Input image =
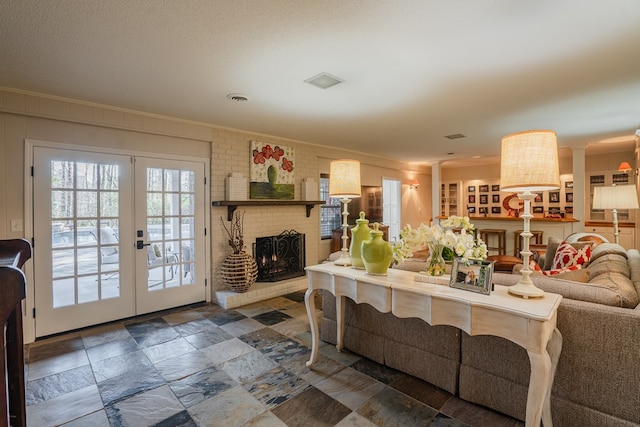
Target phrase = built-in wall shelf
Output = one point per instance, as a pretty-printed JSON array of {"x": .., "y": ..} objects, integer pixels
[{"x": 232, "y": 205}]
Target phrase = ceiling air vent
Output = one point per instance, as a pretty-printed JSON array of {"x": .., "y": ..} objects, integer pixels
[
  {"x": 237, "y": 97},
  {"x": 324, "y": 80},
  {"x": 455, "y": 136}
]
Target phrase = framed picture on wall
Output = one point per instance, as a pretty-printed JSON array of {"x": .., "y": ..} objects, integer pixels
[
  {"x": 538, "y": 209},
  {"x": 471, "y": 209},
  {"x": 568, "y": 184},
  {"x": 569, "y": 209},
  {"x": 484, "y": 199},
  {"x": 495, "y": 198},
  {"x": 471, "y": 189},
  {"x": 472, "y": 198},
  {"x": 495, "y": 187},
  {"x": 484, "y": 188},
  {"x": 568, "y": 197},
  {"x": 496, "y": 209},
  {"x": 554, "y": 197},
  {"x": 538, "y": 198},
  {"x": 483, "y": 211}
]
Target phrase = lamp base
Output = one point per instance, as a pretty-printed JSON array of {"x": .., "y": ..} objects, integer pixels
[
  {"x": 526, "y": 291},
  {"x": 344, "y": 260}
]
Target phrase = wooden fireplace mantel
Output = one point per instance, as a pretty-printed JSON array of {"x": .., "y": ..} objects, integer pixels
[{"x": 232, "y": 205}]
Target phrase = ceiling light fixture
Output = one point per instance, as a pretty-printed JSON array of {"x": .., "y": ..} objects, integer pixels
[
  {"x": 324, "y": 80},
  {"x": 238, "y": 97},
  {"x": 455, "y": 136}
]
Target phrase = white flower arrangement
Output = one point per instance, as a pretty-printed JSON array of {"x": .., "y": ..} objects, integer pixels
[{"x": 462, "y": 243}]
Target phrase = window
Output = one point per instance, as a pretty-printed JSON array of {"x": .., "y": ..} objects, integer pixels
[{"x": 330, "y": 211}]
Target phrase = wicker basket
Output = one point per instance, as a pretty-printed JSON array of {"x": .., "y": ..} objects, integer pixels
[{"x": 239, "y": 271}]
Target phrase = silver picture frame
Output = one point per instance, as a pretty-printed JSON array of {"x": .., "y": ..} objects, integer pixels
[{"x": 472, "y": 275}]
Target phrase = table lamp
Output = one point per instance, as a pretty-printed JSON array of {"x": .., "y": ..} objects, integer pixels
[
  {"x": 529, "y": 162},
  {"x": 615, "y": 197},
  {"x": 344, "y": 183}
]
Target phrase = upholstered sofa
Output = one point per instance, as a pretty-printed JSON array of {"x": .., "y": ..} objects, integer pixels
[{"x": 597, "y": 382}]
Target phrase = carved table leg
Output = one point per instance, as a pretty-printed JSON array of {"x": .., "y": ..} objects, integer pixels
[
  {"x": 310, "y": 304},
  {"x": 339, "y": 322},
  {"x": 554, "y": 347},
  {"x": 539, "y": 385}
]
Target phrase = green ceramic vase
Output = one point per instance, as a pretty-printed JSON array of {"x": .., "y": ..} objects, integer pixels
[
  {"x": 376, "y": 253},
  {"x": 359, "y": 234}
]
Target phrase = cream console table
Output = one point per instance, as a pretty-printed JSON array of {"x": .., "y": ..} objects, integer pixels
[{"x": 529, "y": 323}]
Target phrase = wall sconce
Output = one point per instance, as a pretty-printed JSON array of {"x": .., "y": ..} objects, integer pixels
[
  {"x": 413, "y": 185},
  {"x": 626, "y": 167}
]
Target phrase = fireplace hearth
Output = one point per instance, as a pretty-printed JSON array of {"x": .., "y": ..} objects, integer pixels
[{"x": 280, "y": 257}]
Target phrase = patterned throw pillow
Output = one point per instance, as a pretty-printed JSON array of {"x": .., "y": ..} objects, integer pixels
[
  {"x": 567, "y": 256},
  {"x": 535, "y": 268}
]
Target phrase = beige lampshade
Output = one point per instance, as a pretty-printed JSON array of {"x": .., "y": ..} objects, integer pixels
[
  {"x": 616, "y": 197},
  {"x": 529, "y": 161},
  {"x": 344, "y": 178}
]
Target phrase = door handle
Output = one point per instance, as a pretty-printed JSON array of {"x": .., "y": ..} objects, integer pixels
[{"x": 140, "y": 244}]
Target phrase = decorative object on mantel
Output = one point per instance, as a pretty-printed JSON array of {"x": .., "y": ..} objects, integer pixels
[
  {"x": 239, "y": 270},
  {"x": 436, "y": 238},
  {"x": 344, "y": 183},
  {"x": 377, "y": 254},
  {"x": 235, "y": 187},
  {"x": 310, "y": 189},
  {"x": 529, "y": 162},
  {"x": 272, "y": 171},
  {"x": 615, "y": 197},
  {"x": 360, "y": 233}
]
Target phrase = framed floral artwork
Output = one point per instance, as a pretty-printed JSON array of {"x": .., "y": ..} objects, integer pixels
[{"x": 271, "y": 171}]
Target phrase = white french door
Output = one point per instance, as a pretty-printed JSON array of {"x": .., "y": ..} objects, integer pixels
[
  {"x": 91, "y": 213},
  {"x": 169, "y": 218}
]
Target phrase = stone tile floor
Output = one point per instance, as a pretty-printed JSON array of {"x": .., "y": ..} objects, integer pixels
[{"x": 206, "y": 366}]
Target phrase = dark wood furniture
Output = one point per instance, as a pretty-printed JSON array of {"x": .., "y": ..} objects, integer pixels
[
  {"x": 13, "y": 254},
  {"x": 336, "y": 236}
]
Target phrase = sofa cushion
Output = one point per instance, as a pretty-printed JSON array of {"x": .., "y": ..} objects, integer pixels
[
  {"x": 552, "y": 246},
  {"x": 608, "y": 249},
  {"x": 567, "y": 256},
  {"x": 610, "y": 263},
  {"x": 613, "y": 289}
]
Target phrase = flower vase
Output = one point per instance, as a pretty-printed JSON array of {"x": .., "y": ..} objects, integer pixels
[{"x": 436, "y": 265}]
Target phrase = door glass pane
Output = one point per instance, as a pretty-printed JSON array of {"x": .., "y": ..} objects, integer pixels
[
  {"x": 170, "y": 219},
  {"x": 85, "y": 247}
]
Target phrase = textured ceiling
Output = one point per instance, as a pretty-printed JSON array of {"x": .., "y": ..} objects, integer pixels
[{"x": 414, "y": 71}]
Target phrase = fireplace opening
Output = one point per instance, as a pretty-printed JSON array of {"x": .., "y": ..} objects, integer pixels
[{"x": 280, "y": 257}]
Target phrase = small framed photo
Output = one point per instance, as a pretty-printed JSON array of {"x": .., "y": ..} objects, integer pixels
[
  {"x": 484, "y": 199},
  {"x": 568, "y": 197},
  {"x": 538, "y": 198},
  {"x": 495, "y": 198},
  {"x": 484, "y": 188},
  {"x": 471, "y": 209},
  {"x": 568, "y": 184},
  {"x": 495, "y": 187},
  {"x": 538, "y": 209},
  {"x": 569, "y": 209},
  {"x": 472, "y": 198},
  {"x": 483, "y": 210},
  {"x": 554, "y": 197},
  {"x": 496, "y": 209},
  {"x": 471, "y": 189},
  {"x": 473, "y": 275}
]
